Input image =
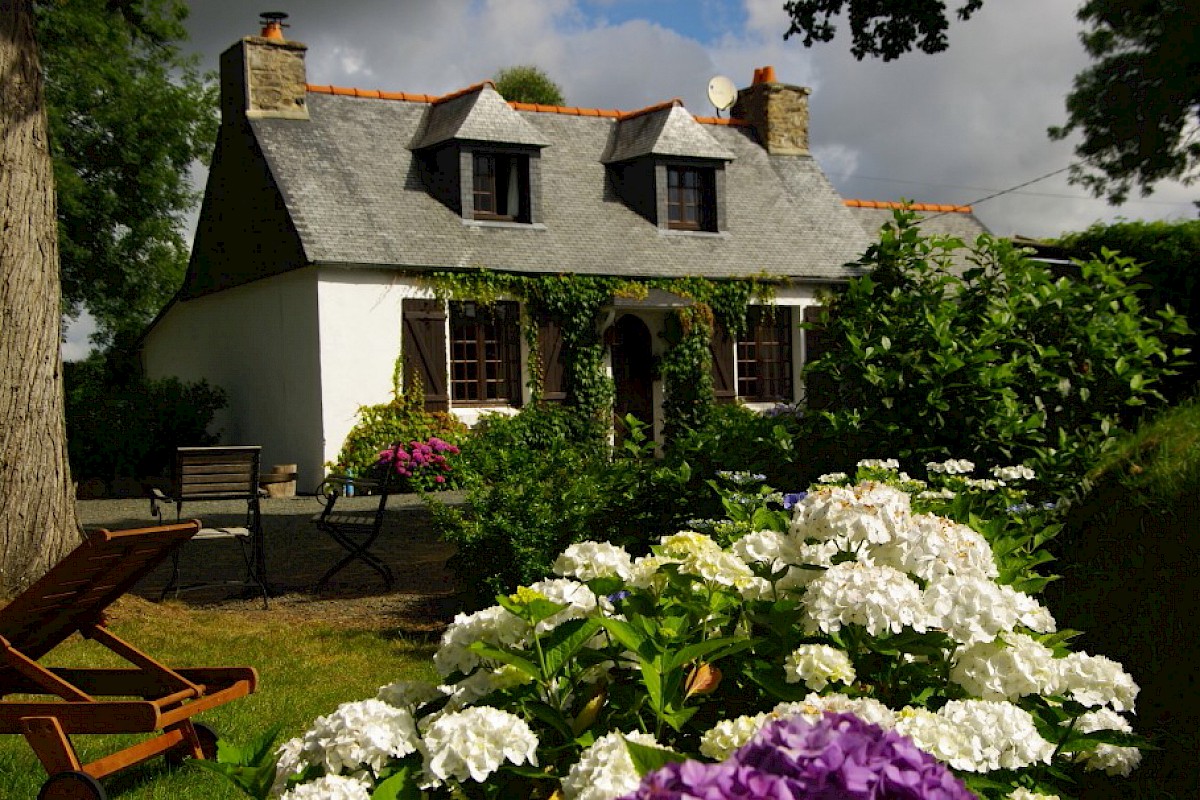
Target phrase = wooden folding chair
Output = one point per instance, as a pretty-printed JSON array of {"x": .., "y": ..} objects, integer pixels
[
  {"x": 355, "y": 530},
  {"x": 71, "y": 598}
]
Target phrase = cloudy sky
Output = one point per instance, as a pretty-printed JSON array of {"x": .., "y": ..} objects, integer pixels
[{"x": 950, "y": 128}]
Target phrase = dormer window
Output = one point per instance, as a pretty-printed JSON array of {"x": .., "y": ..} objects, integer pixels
[
  {"x": 691, "y": 199},
  {"x": 500, "y": 187}
]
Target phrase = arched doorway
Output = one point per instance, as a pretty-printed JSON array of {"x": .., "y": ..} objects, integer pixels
[{"x": 633, "y": 373}]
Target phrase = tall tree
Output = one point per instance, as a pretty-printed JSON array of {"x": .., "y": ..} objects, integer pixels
[
  {"x": 38, "y": 521},
  {"x": 528, "y": 84},
  {"x": 129, "y": 115},
  {"x": 1137, "y": 107}
]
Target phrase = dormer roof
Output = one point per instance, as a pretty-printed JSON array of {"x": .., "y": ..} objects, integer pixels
[
  {"x": 476, "y": 114},
  {"x": 665, "y": 130}
]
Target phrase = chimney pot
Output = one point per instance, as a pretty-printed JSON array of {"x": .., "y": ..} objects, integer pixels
[{"x": 273, "y": 24}]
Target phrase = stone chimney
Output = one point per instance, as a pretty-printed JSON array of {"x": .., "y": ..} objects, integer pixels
[
  {"x": 778, "y": 112},
  {"x": 264, "y": 76}
]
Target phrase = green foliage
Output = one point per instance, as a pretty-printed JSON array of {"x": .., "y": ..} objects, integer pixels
[
  {"x": 1169, "y": 255},
  {"x": 402, "y": 419},
  {"x": 527, "y": 84},
  {"x": 250, "y": 767},
  {"x": 121, "y": 425},
  {"x": 686, "y": 375},
  {"x": 129, "y": 114},
  {"x": 1004, "y": 364},
  {"x": 737, "y": 438},
  {"x": 1138, "y": 105},
  {"x": 531, "y": 491}
]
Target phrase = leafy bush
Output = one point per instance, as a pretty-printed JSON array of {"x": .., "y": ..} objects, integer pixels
[
  {"x": 531, "y": 492},
  {"x": 861, "y": 602},
  {"x": 1004, "y": 363},
  {"x": 120, "y": 424},
  {"x": 1169, "y": 254},
  {"x": 401, "y": 420}
]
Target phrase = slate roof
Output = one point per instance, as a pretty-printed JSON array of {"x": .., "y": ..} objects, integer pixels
[
  {"x": 478, "y": 114},
  {"x": 668, "y": 130},
  {"x": 354, "y": 193}
]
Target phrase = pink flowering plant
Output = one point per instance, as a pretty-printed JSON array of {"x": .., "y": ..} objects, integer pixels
[
  {"x": 894, "y": 646},
  {"x": 420, "y": 466}
]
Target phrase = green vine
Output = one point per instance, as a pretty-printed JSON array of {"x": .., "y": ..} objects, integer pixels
[{"x": 577, "y": 304}]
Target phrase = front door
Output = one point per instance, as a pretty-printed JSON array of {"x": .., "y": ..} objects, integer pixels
[{"x": 633, "y": 374}]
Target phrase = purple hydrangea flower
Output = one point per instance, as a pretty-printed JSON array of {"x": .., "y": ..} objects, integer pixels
[
  {"x": 792, "y": 498},
  {"x": 840, "y": 757}
]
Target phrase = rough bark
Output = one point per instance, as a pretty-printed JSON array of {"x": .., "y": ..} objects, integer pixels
[{"x": 38, "y": 519}]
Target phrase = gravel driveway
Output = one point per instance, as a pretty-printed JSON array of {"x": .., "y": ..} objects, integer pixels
[{"x": 297, "y": 554}]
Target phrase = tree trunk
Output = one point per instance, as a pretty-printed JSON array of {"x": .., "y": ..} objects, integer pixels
[{"x": 38, "y": 519}]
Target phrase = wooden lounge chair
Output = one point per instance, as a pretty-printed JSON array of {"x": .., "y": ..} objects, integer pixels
[{"x": 147, "y": 698}]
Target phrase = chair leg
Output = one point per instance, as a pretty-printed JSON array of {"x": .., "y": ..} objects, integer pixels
[
  {"x": 173, "y": 581},
  {"x": 252, "y": 574},
  {"x": 50, "y": 744}
]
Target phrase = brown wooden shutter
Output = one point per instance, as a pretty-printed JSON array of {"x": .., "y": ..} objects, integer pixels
[
  {"x": 424, "y": 349},
  {"x": 722, "y": 347},
  {"x": 551, "y": 352},
  {"x": 818, "y": 390}
]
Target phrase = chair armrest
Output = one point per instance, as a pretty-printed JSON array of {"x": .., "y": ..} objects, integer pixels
[{"x": 157, "y": 496}]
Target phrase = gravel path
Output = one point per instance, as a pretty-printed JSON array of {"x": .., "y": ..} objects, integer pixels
[{"x": 420, "y": 602}]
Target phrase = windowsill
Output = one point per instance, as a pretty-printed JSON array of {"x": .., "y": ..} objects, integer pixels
[
  {"x": 495, "y": 223},
  {"x": 689, "y": 233}
]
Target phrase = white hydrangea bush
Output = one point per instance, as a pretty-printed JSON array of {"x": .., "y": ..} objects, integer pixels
[{"x": 862, "y": 602}]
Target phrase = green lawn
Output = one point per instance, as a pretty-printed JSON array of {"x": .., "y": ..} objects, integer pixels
[{"x": 304, "y": 670}]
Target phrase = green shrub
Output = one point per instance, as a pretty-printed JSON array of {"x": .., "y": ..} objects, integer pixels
[
  {"x": 119, "y": 424},
  {"x": 402, "y": 419},
  {"x": 1169, "y": 254},
  {"x": 533, "y": 489},
  {"x": 1003, "y": 364}
]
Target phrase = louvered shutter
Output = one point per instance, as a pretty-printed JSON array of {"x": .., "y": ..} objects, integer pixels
[
  {"x": 721, "y": 345},
  {"x": 550, "y": 350},
  {"x": 424, "y": 348}
]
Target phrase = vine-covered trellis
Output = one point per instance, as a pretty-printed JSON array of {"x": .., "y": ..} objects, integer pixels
[{"x": 576, "y": 303}]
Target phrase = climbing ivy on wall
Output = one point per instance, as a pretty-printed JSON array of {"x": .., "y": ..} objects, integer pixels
[{"x": 576, "y": 303}]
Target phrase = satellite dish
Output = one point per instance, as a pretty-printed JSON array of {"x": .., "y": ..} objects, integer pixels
[{"x": 721, "y": 93}]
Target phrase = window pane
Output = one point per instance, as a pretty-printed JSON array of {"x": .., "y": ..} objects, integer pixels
[{"x": 483, "y": 364}]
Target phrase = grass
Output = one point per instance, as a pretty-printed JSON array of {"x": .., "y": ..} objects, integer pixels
[
  {"x": 1130, "y": 559},
  {"x": 305, "y": 670}
]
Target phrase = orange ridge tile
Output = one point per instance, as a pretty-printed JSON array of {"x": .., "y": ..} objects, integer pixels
[
  {"x": 472, "y": 88},
  {"x": 624, "y": 115},
  {"x": 894, "y": 205}
]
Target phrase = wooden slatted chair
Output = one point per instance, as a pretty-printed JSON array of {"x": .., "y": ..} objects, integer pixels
[
  {"x": 205, "y": 474},
  {"x": 71, "y": 598}
]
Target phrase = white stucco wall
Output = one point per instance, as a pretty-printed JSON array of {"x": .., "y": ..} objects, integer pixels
[
  {"x": 259, "y": 343},
  {"x": 359, "y": 343}
]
